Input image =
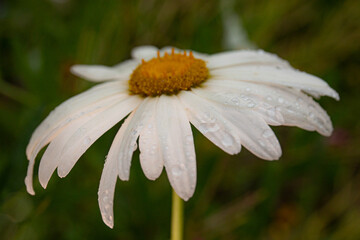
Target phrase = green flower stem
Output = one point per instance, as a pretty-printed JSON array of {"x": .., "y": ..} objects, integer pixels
[{"x": 177, "y": 217}]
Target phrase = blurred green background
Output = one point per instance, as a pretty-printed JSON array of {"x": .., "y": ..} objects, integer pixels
[{"x": 311, "y": 193}]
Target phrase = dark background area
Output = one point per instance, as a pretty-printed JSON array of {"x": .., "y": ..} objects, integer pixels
[{"x": 312, "y": 192}]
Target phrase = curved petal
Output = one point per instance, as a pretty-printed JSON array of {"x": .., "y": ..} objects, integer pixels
[
  {"x": 176, "y": 145},
  {"x": 85, "y": 136},
  {"x": 150, "y": 157},
  {"x": 242, "y": 57},
  {"x": 255, "y": 134},
  {"x": 144, "y": 52},
  {"x": 124, "y": 143},
  {"x": 108, "y": 182},
  {"x": 274, "y": 76},
  {"x": 239, "y": 96},
  {"x": 95, "y": 73},
  {"x": 277, "y": 105},
  {"x": 50, "y": 160},
  {"x": 210, "y": 122},
  {"x": 68, "y": 111},
  {"x": 253, "y": 131}
]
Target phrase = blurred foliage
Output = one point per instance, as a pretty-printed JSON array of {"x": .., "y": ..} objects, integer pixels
[{"x": 311, "y": 193}]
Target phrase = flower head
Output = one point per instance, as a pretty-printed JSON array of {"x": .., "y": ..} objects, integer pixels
[{"x": 230, "y": 97}]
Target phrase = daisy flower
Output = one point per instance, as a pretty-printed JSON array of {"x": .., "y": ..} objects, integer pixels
[{"x": 230, "y": 97}]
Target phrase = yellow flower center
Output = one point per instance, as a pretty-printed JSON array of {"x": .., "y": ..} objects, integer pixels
[{"x": 169, "y": 74}]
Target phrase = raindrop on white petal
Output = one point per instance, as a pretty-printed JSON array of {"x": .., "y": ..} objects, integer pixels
[
  {"x": 235, "y": 100},
  {"x": 267, "y": 133},
  {"x": 251, "y": 104},
  {"x": 134, "y": 146},
  {"x": 280, "y": 100},
  {"x": 269, "y": 98},
  {"x": 87, "y": 140},
  {"x": 261, "y": 143},
  {"x": 176, "y": 171},
  {"x": 208, "y": 127},
  {"x": 227, "y": 140},
  {"x": 311, "y": 115}
]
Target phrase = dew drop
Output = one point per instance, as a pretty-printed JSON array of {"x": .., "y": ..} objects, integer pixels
[
  {"x": 251, "y": 104},
  {"x": 267, "y": 133},
  {"x": 268, "y": 98},
  {"x": 311, "y": 115},
  {"x": 134, "y": 146},
  {"x": 87, "y": 140},
  {"x": 280, "y": 100},
  {"x": 235, "y": 100},
  {"x": 261, "y": 143},
  {"x": 176, "y": 171},
  {"x": 227, "y": 141},
  {"x": 209, "y": 127}
]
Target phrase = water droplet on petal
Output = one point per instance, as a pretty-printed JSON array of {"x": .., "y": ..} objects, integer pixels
[
  {"x": 208, "y": 127},
  {"x": 280, "y": 100},
  {"x": 227, "y": 141},
  {"x": 134, "y": 146},
  {"x": 267, "y": 133},
  {"x": 235, "y": 100},
  {"x": 87, "y": 140},
  {"x": 251, "y": 104},
  {"x": 261, "y": 143},
  {"x": 176, "y": 171}
]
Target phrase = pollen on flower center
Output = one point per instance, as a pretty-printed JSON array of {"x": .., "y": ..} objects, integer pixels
[{"x": 168, "y": 74}]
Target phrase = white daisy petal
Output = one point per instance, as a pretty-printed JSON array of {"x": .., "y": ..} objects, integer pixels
[
  {"x": 106, "y": 191},
  {"x": 124, "y": 143},
  {"x": 108, "y": 180},
  {"x": 242, "y": 57},
  {"x": 277, "y": 105},
  {"x": 50, "y": 160},
  {"x": 211, "y": 123},
  {"x": 240, "y": 97},
  {"x": 68, "y": 111},
  {"x": 64, "y": 115},
  {"x": 96, "y": 73},
  {"x": 274, "y": 76},
  {"x": 255, "y": 134},
  {"x": 177, "y": 145},
  {"x": 150, "y": 158},
  {"x": 144, "y": 52},
  {"x": 85, "y": 136}
]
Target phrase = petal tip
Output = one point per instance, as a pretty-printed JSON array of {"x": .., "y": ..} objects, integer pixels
[{"x": 29, "y": 186}]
